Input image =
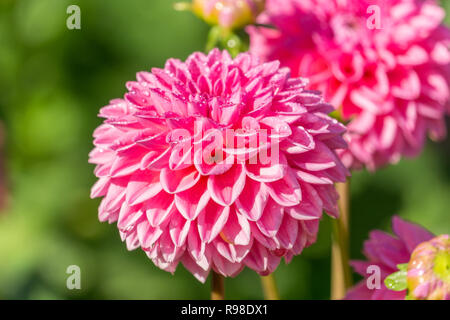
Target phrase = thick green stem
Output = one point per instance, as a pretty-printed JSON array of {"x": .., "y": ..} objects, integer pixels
[
  {"x": 270, "y": 287},
  {"x": 340, "y": 268},
  {"x": 217, "y": 287}
]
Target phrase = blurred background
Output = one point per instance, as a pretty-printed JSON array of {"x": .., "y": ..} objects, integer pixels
[{"x": 53, "y": 82}]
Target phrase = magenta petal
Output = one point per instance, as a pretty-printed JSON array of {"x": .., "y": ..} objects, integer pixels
[
  {"x": 270, "y": 221},
  {"x": 192, "y": 201},
  {"x": 179, "y": 180},
  {"x": 270, "y": 172},
  {"x": 410, "y": 233},
  {"x": 100, "y": 188},
  {"x": 160, "y": 208},
  {"x": 147, "y": 234},
  {"x": 311, "y": 206},
  {"x": 286, "y": 192},
  {"x": 211, "y": 221},
  {"x": 226, "y": 188},
  {"x": 253, "y": 200},
  {"x": 237, "y": 229},
  {"x": 389, "y": 250},
  {"x": 359, "y": 292},
  {"x": 128, "y": 217},
  {"x": 287, "y": 233},
  {"x": 194, "y": 268},
  {"x": 178, "y": 229},
  {"x": 321, "y": 158},
  {"x": 142, "y": 187},
  {"x": 300, "y": 141}
]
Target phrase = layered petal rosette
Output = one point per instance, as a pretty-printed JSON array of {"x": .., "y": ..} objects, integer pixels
[
  {"x": 218, "y": 164},
  {"x": 384, "y": 64},
  {"x": 387, "y": 252}
]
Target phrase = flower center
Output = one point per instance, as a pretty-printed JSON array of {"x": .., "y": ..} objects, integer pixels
[{"x": 442, "y": 265}]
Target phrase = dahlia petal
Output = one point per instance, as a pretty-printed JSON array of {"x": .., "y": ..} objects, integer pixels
[
  {"x": 178, "y": 229},
  {"x": 155, "y": 160},
  {"x": 310, "y": 208},
  {"x": 257, "y": 258},
  {"x": 359, "y": 292},
  {"x": 286, "y": 192},
  {"x": 114, "y": 198},
  {"x": 237, "y": 229},
  {"x": 100, "y": 188},
  {"x": 196, "y": 247},
  {"x": 211, "y": 221},
  {"x": 313, "y": 177},
  {"x": 253, "y": 200},
  {"x": 270, "y": 221},
  {"x": 160, "y": 208},
  {"x": 128, "y": 217},
  {"x": 215, "y": 166},
  {"x": 179, "y": 180},
  {"x": 147, "y": 234},
  {"x": 287, "y": 233},
  {"x": 389, "y": 132},
  {"x": 272, "y": 171},
  {"x": 132, "y": 241},
  {"x": 329, "y": 197},
  {"x": 123, "y": 166},
  {"x": 301, "y": 141},
  {"x": 320, "y": 158},
  {"x": 226, "y": 188},
  {"x": 192, "y": 201},
  {"x": 194, "y": 268},
  {"x": 225, "y": 267},
  {"x": 411, "y": 234},
  {"x": 388, "y": 250},
  {"x": 142, "y": 187}
]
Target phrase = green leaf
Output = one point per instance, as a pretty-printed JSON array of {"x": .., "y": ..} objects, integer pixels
[
  {"x": 402, "y": 267},
  {"x": 397, "y": 280}
]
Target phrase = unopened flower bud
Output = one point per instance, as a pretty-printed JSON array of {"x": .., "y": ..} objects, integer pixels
[
  {"x": 429, "y": 270},
  {"x": 230, "y": 14}
]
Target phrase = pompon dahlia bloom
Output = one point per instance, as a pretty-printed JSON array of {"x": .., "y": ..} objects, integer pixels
[
  {"x": 429, "y": 270},
  {"x": 212, "y": 203},
  {"x": 386, "y": 252},
  {"x": 228, "y": 13},
  {"x": 384, "y": 64}
]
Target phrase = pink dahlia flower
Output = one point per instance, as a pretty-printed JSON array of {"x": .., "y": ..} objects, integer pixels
[
  {"x": 384, "y": 64},
  {"x": 429, "y": 270},
  {"x": 180, "y": 187},
  {"x": 387, "y": 252}
]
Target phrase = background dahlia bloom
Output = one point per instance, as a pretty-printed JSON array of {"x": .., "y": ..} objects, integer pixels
[
  {"x": 386, "y": 252},
  {"x": 232, "y": 212},
  {"x": 429, "y": 270},
  {"x": 383, "y": 63},
  {"x": 229, "y": 14}
]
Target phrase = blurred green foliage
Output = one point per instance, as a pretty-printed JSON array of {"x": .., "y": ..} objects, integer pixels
[{"x": 53, "y": 82}]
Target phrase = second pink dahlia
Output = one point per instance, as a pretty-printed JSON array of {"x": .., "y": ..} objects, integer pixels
[
  {"x": 387, "y": 252},
  {"x": 385, "y": 64},
  {"x": 180, "y": 186}
]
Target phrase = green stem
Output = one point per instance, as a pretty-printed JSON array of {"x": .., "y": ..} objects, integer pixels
[
  {"x": 270, "y": 287},
  {"x": 340, "y": 273},
  {"x": 217, "y": 287}
]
